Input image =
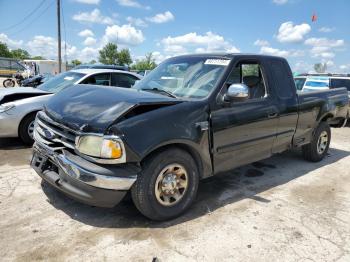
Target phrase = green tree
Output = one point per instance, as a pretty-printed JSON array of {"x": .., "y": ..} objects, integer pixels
[
  {"x": 148, "y": 63},
  {"x": 76, "y": 62},
  {"x": 109, "y": 54},
  {"x": 93, "y": 61},
  {"x": 38, "y": 57},
  {"x": 4, "y": 50},
  {"x": 124, "y": 57},
  {"x": 20, "y": 54},
  {"x": 320, "y": 67}
]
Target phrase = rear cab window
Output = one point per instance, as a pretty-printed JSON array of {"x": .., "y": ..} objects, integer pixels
[
  {"x": 283, "y": 80},
  {"x": 340, "y": 82}
]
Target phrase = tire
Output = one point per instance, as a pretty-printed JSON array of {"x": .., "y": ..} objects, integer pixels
[
  {"x": 8, "y": 83},
  {"x": 26, "y": 125},
  {"x": 318, "y": 148},
  {"x": 160, "y": 206}
]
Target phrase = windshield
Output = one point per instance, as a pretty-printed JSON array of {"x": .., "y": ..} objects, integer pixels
[
  {"x": 299, "y": 83},
  {"x": 185, "y": 77},
  {"x": 316, "y": 84},
  {"x": 60, "y": 81}
]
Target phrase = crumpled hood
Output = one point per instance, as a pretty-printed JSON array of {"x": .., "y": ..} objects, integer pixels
[
  {"x": 91, "y": 108},
  {"x": 16, "y": 93}
]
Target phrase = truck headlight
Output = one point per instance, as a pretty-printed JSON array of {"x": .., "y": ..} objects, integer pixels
[
  {"x": 6, "y": 107},
  {"x": 105, "y": 147}
]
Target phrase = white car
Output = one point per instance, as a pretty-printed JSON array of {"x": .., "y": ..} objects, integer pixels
[
  {"x": 316, "y": 83},
  {"x": 19, "y": 105}
]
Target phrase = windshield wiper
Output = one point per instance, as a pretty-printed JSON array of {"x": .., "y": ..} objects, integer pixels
[{"x": 157, "y": 90}]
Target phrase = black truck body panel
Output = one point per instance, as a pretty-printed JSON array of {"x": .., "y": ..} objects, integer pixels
[{"x": 219, "y": 135}]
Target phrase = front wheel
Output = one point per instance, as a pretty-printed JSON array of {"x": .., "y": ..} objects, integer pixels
[
  {"x": 26, "y": 129},
  {"x": 167, "y": 185},
  {"x": 8, "y": 83},
  {"x": 318, "y": 148}
]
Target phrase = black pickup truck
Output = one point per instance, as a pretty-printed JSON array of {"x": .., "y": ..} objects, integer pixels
[{"x": 192, "y": 117}]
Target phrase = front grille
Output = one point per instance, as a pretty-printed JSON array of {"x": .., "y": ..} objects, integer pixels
[{"x": 52, "y": 134}]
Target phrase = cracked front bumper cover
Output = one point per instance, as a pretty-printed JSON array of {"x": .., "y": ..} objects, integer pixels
[{"x": 87, "y": 182}]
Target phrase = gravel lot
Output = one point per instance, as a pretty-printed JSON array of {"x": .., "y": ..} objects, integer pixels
[{"x": 279, "y": 209}]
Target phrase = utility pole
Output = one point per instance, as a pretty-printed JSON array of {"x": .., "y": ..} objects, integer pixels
[{"x": 59, "y": 35}]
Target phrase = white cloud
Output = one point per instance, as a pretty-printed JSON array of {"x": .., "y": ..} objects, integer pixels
[
  {"x": 324, "y": 42},
  {"x": 344, "y": 68},
  {"x": 326, "y": 29},
  {"x": 45, "y": 46},
  {"x": 324, "y": 47},
  {"x": 86, "y": 33},
  {"x": 161, "y": 18},
  {"x": 260, "y": 42},
  {"x": 89, "y": 2},
  {"x": 280, "y": 2},
  {"x": 12, "y": 44},
  {"x": 158, "y": 57},
  {"x": 175, "y": 49},
  {"x": 136, "y": 21},
  {"x": 193, "y": 42},
  {"x": 87, "y": 54},
  {"x": 132, "y": 3},
  {"x": 124, "y": 35},
  {"x": 267, "y": 50},
  {"x": 94, "y": 16},
  {"x": 290, "y": 33},
  {"x": 90, "y": 41}
]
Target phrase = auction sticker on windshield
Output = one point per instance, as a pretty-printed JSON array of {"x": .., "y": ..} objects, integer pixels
[{"x": 221, "y": 62}]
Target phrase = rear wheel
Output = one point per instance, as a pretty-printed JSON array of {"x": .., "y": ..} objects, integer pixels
[
  {"x": 26, "y": 129},
  {"x": 167, "y": 185},
  {"x": 318, "y": 148},
  {"x": 8, "y": 83}
]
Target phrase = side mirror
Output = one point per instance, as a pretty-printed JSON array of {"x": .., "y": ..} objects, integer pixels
[{"x": 237, "y": 92}]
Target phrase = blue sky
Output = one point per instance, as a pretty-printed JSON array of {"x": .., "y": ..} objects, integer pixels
[{"x": 168, "y": 28}]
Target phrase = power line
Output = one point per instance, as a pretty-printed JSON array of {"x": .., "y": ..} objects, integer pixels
[
  {"x": 24, "y": 18},
  {"x": 32, "y": 21}
]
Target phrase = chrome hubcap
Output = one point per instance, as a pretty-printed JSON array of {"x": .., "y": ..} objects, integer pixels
[
  {"x": 31, "y": 129},
  {"x": 322, "y": 142},
  {"x": 171, "y": 184}
]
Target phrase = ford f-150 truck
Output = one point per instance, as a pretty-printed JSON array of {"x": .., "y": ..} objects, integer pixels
[{"x": 192, "y": 117}]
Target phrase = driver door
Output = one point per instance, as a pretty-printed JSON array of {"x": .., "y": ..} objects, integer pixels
[{"x": 244, "y": 132}]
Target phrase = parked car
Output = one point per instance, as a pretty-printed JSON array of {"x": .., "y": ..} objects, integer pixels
[
  {"x": 101, "y": 66},
  {"x": 299, "y": 82},
  {"x": 192, "y": 117},
  {"x": 9, "y": 67},
  {"x": 18, "y": 106},
  {"x": 36, "y": 80}
]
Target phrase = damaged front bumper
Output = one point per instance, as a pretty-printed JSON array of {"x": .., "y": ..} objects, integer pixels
[{"x": 97, "y": 185}]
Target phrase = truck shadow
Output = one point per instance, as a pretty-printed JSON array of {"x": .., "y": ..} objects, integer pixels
[{"x": 215, "y": 192}]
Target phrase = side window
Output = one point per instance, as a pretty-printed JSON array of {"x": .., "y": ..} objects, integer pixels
[
  {"x": 336, "y": 83},
  {"x": 250, "y": 74},
  {"x": 16, "y": 66},
  {"x": 4, "y": 64},
  {"x": 98, "y": 79},
  {"x": 123, "y": 80}
]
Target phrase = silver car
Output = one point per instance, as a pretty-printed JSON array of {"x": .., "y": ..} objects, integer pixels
[{"x": 18, "y": 106}]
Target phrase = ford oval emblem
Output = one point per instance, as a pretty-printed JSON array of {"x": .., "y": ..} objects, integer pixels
[{"x": 49, "y": 134}]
